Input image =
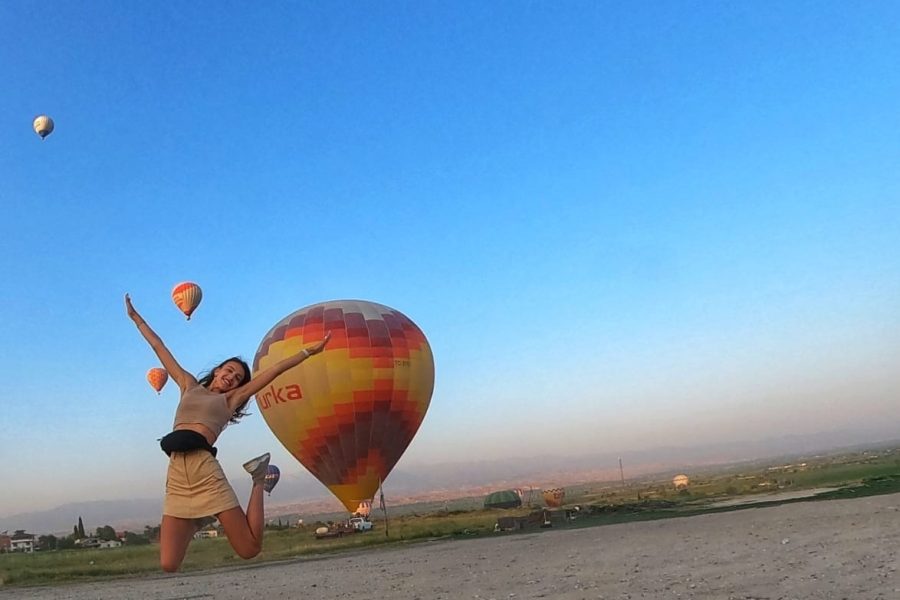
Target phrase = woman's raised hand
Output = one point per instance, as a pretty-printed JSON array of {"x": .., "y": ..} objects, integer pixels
[
  {"x": 319, "y": 346},
  {"x": 129, "y": 308},
  {"x": 131, "y": 312}
]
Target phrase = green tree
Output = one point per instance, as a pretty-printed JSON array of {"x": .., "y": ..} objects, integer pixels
[
  {"x": 151, "y": 533},
  {"x": 46, "y": 542},
  {"x": 134, "y": 539},
  {"x": 66, "y": 543},
  {"x": 80, "y": 532},
  {"x": 106, "y": 533}
]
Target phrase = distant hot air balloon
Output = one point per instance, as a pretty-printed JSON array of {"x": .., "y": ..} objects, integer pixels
[
  {"x": 272, "y": 477},
  {"x": 157, "y": 378},
  {"x": 348, "y": 413},
  {"x": 555, "y": 497},
  {"x": 43, "y": 125},
  {"x": 187, "y": 297},
  {"x": 680, "y": 481}
]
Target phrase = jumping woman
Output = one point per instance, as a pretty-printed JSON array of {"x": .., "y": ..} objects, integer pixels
[{"x": 196, "y": 488}]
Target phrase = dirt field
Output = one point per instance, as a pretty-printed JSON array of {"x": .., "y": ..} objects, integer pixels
[{"x": 812, "y": 550}]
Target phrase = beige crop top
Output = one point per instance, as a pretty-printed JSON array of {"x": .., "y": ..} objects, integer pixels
[{"x": 199, "y": 405}]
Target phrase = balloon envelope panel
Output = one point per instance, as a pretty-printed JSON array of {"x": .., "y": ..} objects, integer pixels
[{"x": 348, "y": 414}]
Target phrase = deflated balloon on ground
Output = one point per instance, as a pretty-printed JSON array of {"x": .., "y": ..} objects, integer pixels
[{"x": 503, "y": 499}]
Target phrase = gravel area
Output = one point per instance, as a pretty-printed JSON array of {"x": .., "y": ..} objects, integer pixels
[{"x": 810, "y": 550}]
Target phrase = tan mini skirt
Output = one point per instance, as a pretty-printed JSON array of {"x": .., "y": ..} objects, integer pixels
[{"x": 196, "y": 486}]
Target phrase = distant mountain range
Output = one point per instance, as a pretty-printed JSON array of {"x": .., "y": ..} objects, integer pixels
[{"x": 454, "y": 480}]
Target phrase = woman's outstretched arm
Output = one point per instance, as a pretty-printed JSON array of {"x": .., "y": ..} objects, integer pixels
[
  {"x": 263, "y": 379},
  {"x": 178, "y": 374}
]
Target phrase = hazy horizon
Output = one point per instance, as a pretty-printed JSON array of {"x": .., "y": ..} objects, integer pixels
[
  {"x": 618, "y": 226},
  {"x": 298, "y": 486}
]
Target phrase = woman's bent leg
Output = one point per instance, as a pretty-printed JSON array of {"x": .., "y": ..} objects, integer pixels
[
  {"x": 175, "y": 535},
  {"x": 245, "y": 531}
]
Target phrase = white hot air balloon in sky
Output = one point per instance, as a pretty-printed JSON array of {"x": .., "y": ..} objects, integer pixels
[{"x": 43, "y": 125}]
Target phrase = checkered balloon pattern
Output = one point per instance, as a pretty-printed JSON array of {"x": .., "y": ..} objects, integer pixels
[{"x": 349, "y": 413}]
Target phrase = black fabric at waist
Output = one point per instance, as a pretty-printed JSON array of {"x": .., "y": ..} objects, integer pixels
[{"x": 185, "y": 440}]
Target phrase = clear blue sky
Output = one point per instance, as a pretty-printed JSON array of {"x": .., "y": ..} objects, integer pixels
[{"x": 619, "y": 226}]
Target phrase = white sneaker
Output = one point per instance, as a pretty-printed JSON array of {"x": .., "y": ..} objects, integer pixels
[{"x": 258, "y": 467}]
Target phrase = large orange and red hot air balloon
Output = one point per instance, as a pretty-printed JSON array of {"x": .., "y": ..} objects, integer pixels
[
  {"x": 157, "y": 378},
  {"x": 349, "y": 413},
  {"x": 187, "y": 297}
]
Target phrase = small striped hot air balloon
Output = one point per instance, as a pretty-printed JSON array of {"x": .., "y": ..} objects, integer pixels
[
  {"x": 157, "y": 378},
  {"x": 187, "y": 297},
  {"x": 43, "y": 125}
]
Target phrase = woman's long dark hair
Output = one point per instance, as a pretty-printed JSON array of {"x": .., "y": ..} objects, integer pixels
[{"x": 207, "y": 377}]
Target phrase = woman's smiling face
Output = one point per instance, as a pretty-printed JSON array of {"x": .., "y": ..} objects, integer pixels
[{"x": 228, "y": 377}]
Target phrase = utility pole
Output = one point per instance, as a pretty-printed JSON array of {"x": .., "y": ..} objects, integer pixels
[{"x": 621, "y": 471}]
